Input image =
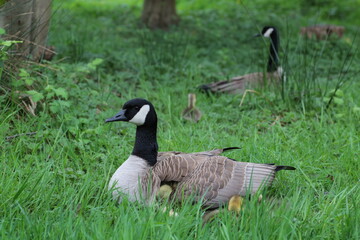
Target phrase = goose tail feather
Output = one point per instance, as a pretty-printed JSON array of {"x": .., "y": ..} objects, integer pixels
[
  {"x": 230, "y": 148},
  {"x": 279, "y": 168}
]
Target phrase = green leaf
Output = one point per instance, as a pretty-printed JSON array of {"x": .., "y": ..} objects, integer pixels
[
  {"x": 338, "y": 93},
  {"x": 61, "y": 92},
  {"x": 356, "y": 109},
  {"x": 23, "y": 73},
  {"x": 338, "y": 101},
  {"x": 6, "y": 43},
  {"x": 49, "y": 88},
  {"x": 64, "y": 103},
  {"x": 58, "y": 105},
  {"x": 2, "y": 31},
  {"x": 29, "y": 81},
  {"x": 17, "y": 83},
  {"x": 36, "y": 96},
  {"x": 25, "y": 76},
  {"x": 52, "y": 91},
  {"x": 339, "y": 115},
  {"x": 50, "y": 95},
  {"x": 92, "y": 65},
  {"x": 54, "y": 108},
  {"x": 97, "y": 61}
]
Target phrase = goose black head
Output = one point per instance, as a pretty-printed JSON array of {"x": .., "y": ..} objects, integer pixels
[
  {"x": 268, "y": 31},
  {"x": 137, "y": 111}
]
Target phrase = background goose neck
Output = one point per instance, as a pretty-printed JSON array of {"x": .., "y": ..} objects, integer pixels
[{"x": 273, "y": 61}]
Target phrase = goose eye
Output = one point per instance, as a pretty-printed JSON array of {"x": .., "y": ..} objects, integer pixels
[{"x": 137, "y": 108}]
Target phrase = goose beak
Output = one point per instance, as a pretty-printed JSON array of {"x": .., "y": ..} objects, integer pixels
[
  {"x": 257, "y": 35},
  {"x": 118, "y": 117}
]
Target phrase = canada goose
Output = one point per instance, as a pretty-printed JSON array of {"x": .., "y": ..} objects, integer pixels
[
  {"x": 210, "y": 178},
  {"x": 191, "y": 113},
  {"x": 238, "y": 85}
]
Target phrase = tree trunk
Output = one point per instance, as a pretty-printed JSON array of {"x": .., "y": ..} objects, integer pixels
[
  {"x": 15, "y": 18},
  {"x": 159, "y": 14},
  {"x": 40, "y": 29},
  {"x": 27, "y": 21}
]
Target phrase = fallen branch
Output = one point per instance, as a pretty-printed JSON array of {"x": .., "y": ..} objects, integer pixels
[{"x": 19, "y": 135}]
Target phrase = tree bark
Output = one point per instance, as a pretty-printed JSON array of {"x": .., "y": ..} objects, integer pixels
[
  {"x": 27, "y": 21},
  {"x": 15, "y": 18},
  {"x": 40, "y": 28},
  {"x": 159, "y": 14}
]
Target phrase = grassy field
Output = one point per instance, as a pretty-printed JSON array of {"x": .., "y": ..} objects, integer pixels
[{"x": 54, "y": 183}]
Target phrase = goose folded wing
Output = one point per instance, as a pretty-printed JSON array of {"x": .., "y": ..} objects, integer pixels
[
  {"x": 208, "y": 182},
  {"x": 173, "y": 167},
  {"x": 215, "y": 181}
]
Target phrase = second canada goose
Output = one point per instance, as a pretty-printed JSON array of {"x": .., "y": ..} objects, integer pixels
[
  {"x": 210, "y": 178},
  {"x": 239, "y": 84}
]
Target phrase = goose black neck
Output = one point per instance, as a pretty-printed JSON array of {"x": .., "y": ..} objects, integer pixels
[
  {"x": 146, "y": 146},
  {"x": 273, "y": 62}
]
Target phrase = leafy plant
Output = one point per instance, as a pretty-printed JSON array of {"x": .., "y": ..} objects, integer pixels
[{"x": 5, "y": 46}]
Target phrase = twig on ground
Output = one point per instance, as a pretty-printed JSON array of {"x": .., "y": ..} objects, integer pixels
[{"x": 8, "y": 138}]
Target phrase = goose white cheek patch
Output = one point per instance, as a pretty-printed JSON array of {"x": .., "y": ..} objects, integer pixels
[
  {"x": 140, "y": 117},
  {"x": 268, "y": 32}
]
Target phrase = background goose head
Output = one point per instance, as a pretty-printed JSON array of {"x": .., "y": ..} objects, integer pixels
[
  {"x": 269, "y": 32},
  {"x": 137, "y": 111}
]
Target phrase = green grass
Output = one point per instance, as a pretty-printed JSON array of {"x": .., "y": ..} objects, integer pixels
[{"x": 54, "y": 183}]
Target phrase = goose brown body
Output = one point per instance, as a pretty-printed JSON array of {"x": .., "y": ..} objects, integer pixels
[
  {"x": 212, "y": 179},
  {"x": 238, "y": 85}
]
